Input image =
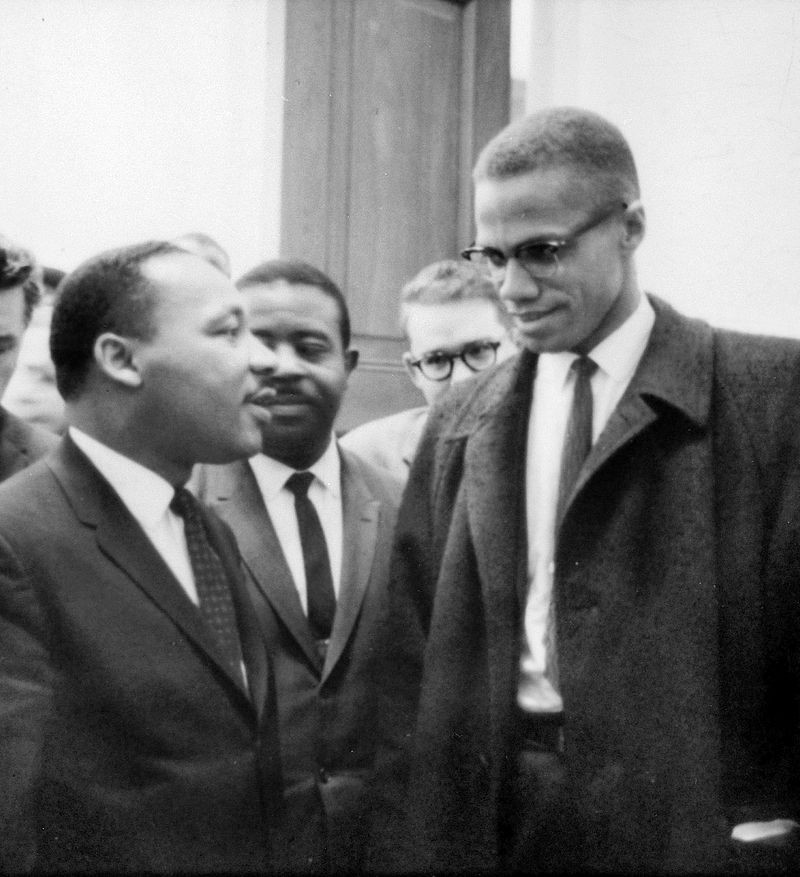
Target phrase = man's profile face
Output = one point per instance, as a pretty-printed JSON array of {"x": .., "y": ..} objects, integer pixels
[
  {"x": 12, "y": 325},
  {"x": 202, "y": 369},
  {"x": 591, "y": 293},
  {"x": 301, "y": 325},
  {"x": 448, "y": 328}
]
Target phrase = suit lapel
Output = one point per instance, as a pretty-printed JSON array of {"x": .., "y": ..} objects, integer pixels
[
  {"x": 360, "y": 516},
  {"x": 234, "y": 491},
  {"x": 123, "y": 541}
]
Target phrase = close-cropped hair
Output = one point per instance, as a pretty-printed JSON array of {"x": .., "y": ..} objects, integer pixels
[
  {"x": 567, "y": 137},
  {"x": 448, "y": 281},
  {"x": 18, "y": 267},
  {"x": 296, "y": 272},
  {"x": 107, "y": 293}
]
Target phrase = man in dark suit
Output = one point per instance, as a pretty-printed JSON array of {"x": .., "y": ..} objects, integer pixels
[
  {"x": 136, "y": 710},
  {"x": 594, "y": 626},
  {"x": 325, "y": 681},
  {"x": 20, "y": 443}
]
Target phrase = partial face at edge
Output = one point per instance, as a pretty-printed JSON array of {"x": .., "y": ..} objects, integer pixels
[{"x": 12, "y": 327}]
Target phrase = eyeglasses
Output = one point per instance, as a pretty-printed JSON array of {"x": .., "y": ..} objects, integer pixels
[
  {"x": 476, "y": 356},
  {"x": 539, "y": 258}
]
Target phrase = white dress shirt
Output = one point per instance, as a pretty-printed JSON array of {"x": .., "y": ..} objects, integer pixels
[
  {"x": 617, "y": 357},
  {"x": 325, "y": 494},
  {"x": 147, "y": 496}
]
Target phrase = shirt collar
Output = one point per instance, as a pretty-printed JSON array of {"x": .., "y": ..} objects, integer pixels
[
  {"x": 145, "y": 494},
  {"x": 271, "y": 474},
  {"x": 617, "y": 355}
]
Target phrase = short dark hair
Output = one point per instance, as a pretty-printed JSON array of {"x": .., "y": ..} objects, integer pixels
[
  {"x": 18, "y": 268},
  {"x": 448, "y": 281},
  {"x": 107, "y": 293},
  {"x": 296, "y": 272},
  {"x": 563, "y": 137}
]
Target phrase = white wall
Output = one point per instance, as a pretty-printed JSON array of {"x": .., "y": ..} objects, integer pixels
[
  {"x": 708, "y": 94},
  {"x": 124, "y": 120}
]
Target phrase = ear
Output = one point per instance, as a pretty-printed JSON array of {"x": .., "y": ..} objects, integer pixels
[
  {"x": 635, "y": 225},
  {"x": 116, "y": 358},
  {"x": 350, "y": 360}
]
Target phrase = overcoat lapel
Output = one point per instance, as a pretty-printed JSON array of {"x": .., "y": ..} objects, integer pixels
[
  {"x": 674, "y": 373},
  {"x": 235, "y": 492},
  {"x": 494, "y": 480},
  {"x": 360, "y": 517},
  {"x": 123, "y": 541}
]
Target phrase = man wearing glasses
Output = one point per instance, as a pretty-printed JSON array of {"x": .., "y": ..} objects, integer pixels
[
  {"x": 456, "y": 326},
  {"x": 594, "y": 619}
]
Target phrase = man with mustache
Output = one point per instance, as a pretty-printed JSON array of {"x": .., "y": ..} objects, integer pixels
[
  {"x": 314, "y": 524},
  {"x": 137, "y": 726},
  {"x": 591, "y": 663}
]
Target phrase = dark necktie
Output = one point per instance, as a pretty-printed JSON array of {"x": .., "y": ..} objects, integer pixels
[
  {"x": 210, "y": 579},
  {"x": 319, "y": 583},
  {"x": 578, "y": 437}
]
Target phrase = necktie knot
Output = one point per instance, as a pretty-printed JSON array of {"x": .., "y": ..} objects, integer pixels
[
  {"x": 183, "y": 503},
  {"x": 584, "y": 367},
  {"x": 299, "y": 482}
]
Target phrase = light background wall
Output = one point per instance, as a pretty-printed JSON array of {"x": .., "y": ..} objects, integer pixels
[
  {"x": 125, "y": 120},
  {"x": 128, "y": 119},
  {"x": 708, "y": 94}
]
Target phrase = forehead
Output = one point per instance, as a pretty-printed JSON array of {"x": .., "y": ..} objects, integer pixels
[
  {"x": 188, "y": 284},
  {"x": 292, "y": 307},
  {"x": 440, "y": 326},
  {"x": 541, "y": 202}
]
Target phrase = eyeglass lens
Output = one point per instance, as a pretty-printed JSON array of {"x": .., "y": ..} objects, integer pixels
[{"x": 477, "y": 357}]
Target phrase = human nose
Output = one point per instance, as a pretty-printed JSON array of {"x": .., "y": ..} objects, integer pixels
[
  {"x": 262, "y": 359},
  {"x": 461, "y": 371},
  {"x": 287, "y": 362},
  {"x": 517, "y": 283}
]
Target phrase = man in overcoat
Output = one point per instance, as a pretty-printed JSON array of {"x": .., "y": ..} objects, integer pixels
[{"x": 595, "y": 663}]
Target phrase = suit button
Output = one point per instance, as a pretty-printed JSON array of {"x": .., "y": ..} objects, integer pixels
[{"x": 323, "y": 775}]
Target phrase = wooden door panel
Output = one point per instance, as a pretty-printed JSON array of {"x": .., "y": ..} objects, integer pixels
[{"x": 387, "y": 103}]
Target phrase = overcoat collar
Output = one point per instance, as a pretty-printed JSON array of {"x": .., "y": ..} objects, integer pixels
[
  {"x": 123, "y": 541},
  {"x": 235, "y": 492},
  {"x": 674, "y": 374}
]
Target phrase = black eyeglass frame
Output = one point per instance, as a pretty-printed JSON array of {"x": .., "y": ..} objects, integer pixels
[
  {"x": 497, "y": 262},
  {"x": 462, "y": 355}
]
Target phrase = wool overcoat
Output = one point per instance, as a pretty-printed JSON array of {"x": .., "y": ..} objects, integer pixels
[{"x": 677, "y": 594}]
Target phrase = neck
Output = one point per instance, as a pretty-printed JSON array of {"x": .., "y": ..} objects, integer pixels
[{"x": 112, "y": 432}]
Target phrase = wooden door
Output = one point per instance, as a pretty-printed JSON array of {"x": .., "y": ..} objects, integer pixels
[{"x": 387, "y": 104}]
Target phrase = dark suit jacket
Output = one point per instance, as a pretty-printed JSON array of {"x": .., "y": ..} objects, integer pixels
[
  {"x": 125, "y": 742},
  {"x": 676, "y": 588},
  {"x": 327, "y": 706},
  {"x": 21, "y": 444}
]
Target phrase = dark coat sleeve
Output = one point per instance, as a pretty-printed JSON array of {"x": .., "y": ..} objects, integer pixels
[
  {"x": 412, "y": 584},
  {"x": 26, "y": 693}
]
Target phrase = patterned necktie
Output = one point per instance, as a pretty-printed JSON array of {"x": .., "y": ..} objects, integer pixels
[
  {"x": 319, "y": 583},
  {"x": 578, "y": 437},
  {"x": 210, "y": 579}
]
